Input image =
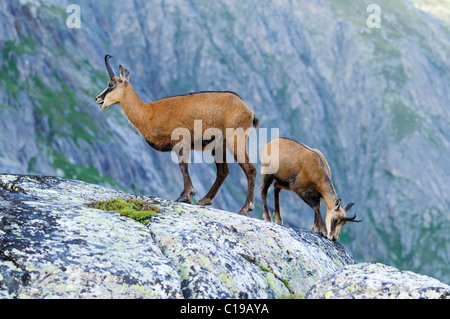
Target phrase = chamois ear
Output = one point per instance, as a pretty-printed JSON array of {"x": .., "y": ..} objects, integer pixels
[
  {"x": 337, "y": 205},
  {"x": 124, "y": 74},
  {"x": 348, "y": 206}
]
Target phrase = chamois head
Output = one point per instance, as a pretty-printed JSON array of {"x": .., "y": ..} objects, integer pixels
[
  {"x": 116, "y": 85},
  {"x": 336, "y": 218}
]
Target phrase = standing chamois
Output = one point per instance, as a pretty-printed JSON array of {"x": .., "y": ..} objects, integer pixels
[
  {"x": 157, "y": 121},
  {"x": 294, "y": 166}
]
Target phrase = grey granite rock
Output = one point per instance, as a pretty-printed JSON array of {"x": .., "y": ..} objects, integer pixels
[
  {"x": 377, "y": 281},
  {"x": 53, "y": 246}
]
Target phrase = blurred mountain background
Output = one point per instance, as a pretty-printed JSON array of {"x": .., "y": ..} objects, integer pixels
[{"x": 375, "y": 101}]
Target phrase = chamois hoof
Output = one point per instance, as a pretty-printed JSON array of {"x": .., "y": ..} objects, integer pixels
[
  {"x": 246, "y": 208},
  {"x": 279, "y": 222},
  {"x": 243, "y": 213},
  {"x": 183, "y": 200},
  {"x": 204, "y": 202}
]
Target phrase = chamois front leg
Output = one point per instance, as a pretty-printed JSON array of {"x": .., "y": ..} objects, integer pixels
[
  {"x": 314, "y": 202},
  {"x": 319, "y": 224}
]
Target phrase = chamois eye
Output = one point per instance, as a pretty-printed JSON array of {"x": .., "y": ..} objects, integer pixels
[
  {"x": 335, "y": 220},
  {"x": 110, "y": 84}
]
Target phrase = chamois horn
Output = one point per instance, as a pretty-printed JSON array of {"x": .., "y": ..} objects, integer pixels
[
  {"x": 351, "y": 219},
  {"x": 108, "y": 67}
]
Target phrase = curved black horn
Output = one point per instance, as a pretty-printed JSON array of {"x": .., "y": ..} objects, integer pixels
[
  {"x": 108, "y": 67},
  {"x": 351, "y": 219}
]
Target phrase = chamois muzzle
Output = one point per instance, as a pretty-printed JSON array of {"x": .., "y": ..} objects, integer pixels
[{"x": 108, "y": 67}]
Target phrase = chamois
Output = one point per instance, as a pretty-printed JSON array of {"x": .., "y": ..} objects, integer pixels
[
  {"x": 157, "y": 121},
  {"x": 294, "y": 166}
]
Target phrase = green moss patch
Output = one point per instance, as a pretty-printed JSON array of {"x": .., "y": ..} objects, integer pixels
[{"x": 136, "y": 209}]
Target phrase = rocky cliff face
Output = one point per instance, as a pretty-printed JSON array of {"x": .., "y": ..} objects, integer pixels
[
  {"x": 53, "y": 246},
  {"x": 374, "y": 101}
]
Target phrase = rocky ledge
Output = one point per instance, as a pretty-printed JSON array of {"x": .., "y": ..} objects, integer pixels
[
  {"x": 53, "y": 246},
  {"x": 377, "y": 281}
]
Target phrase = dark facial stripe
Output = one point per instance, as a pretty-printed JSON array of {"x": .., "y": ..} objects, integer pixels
[{"x": 105, "y": 93}]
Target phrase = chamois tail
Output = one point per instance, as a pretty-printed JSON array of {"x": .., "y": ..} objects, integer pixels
[{"x": 255, "y": 121}]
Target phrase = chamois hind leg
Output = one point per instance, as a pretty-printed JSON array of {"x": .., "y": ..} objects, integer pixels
[
  {"x": 222, "y": 173},
  {"x": 188, "y": 190},
  {"x": 267, "y": 181},
  {"x": 241, "y": 156},
  {"x": 276, "y": 199}
]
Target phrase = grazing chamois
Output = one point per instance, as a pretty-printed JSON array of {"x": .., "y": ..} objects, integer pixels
[
  {"x": 294, "y": 166},
  {"x": 157, "y": 121}
]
